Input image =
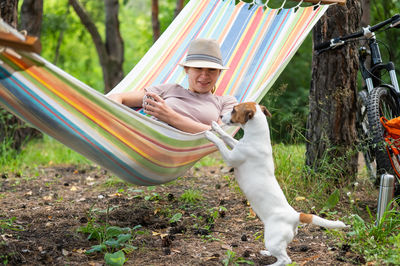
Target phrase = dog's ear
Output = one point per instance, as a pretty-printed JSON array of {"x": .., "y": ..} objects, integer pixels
[
  {"x": 248, "y": 115},
  {"x": 265, "y": 111}
]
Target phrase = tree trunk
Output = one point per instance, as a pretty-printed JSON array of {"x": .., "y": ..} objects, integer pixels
[
  {"x": 13, "y": 131},
  {"x": 114, "y": 44},
  {"x": 155, "y": 22},
  {"x": 9, "y": 11},
  {"x": 179, "y": 7},
  {"x": 366, "y": 12},
  {"x": 331, "y": 133},
  {"x": 31, "y": 17},
  {"x": 111, "y": 52}
]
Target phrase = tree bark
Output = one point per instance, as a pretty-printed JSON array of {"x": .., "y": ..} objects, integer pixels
[
  {"x": 366, "y": 12},
  {"x": 155, "y": 22},
  {"x": 31, "y": 17},
  {"x": 9, "y": 11},
  {"x": 179, "y": 7},
  {"x": 331, "y": 133},
  {"x": 111, "y": 52}
]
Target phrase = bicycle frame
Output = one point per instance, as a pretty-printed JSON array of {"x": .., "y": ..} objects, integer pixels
[{"x": 372, "y": 76}]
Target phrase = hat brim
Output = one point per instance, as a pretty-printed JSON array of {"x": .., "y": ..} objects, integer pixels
[{"x": 202, "y": 64}]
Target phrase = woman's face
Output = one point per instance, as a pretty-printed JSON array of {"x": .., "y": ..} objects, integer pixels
[{"x": 202, "y": 80}]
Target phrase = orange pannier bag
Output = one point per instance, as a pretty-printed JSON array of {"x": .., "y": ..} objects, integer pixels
[{"x": 392, "y": 138}]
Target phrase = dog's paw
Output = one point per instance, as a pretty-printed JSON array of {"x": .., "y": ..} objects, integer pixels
[
  {"x": 265, "y": 253},
  {"x": 215, "y": 126},
  {"x": 210, "y": 136}
]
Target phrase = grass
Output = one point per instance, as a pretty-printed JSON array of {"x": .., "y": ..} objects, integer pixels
[
  {"x": 379, "y": 244},
  {"x": 39, "y": 152}
]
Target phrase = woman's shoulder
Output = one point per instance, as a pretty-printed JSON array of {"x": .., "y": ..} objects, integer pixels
[{"x": 227, "y": 99}]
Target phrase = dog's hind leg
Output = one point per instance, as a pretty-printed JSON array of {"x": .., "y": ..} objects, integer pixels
[
  {"x": 276, "y": 244},
  {"x": 278, "y": 250}
]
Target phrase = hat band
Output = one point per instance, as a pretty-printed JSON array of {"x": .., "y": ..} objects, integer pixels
[{"x": 203, "y": 57}]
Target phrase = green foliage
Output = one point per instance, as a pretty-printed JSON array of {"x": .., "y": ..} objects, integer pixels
[
  {"x": 191, "y": 196},
  {"x": 233, "y": 259},
  {"x": 207, "y": 161},
  {"x": 379, "y": 243},
  {"x": 382, "y": 10},
  {"x": 115, "y": 259},
  {"x": 333, "y": 200},
  {"x": 37, "y": 152},
  {"x": 114, "y": 241},
  {"x": 8, "y": 224},
  {"x": 176, "y": 218}
]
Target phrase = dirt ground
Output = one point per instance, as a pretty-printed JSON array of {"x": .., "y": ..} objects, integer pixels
[{"x": 41, "y": 213}]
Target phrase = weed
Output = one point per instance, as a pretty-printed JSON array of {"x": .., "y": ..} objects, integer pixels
[
  {"x": 9, "y": 224},
  {"x": 176, "y": 218},
  {"x": 114, "y": 241},
  {"x": 376, "y": 242},
  {"x": 232, "y": 259},
  {"x": 191, "y": 196}
]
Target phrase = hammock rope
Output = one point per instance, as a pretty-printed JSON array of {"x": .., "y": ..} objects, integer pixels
[{"x": 257, "y": 43}]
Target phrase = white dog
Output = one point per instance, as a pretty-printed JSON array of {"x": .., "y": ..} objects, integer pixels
[{"x": 252, "y": 159}]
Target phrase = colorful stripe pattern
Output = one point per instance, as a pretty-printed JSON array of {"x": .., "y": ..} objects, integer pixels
[{"x": 257, "y": 44}]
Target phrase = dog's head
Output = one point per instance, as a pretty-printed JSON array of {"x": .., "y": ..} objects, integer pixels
[{"x": 243, "y": 112}]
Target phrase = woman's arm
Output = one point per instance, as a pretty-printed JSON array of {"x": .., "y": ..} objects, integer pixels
[
  {"x": 157, "y": 108},
  {"x": 131, "y": 98}
]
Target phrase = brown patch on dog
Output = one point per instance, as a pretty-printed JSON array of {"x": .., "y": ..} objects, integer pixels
[
  {"x": 243, "y": 112},
  {"x": 306, "y": 218},
  {"x": 265, "y": 111}
]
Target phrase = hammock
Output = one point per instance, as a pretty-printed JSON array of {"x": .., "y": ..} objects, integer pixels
[{"x": 257, "y": 42}]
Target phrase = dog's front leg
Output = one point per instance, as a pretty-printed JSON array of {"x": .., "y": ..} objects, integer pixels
[
  {"x": 228, "y": 139},
  {"x": 231, "y": 157}
]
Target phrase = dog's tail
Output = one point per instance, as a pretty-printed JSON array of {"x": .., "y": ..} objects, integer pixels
[{"x": 314, "y": 219}]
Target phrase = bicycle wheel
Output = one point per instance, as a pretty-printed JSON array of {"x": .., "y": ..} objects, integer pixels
[
  {"x": 381, "y": 103},
  {"x": 364, "y": 138}
]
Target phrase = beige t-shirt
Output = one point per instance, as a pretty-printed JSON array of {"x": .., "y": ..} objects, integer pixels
[{"x": 203, "y": 108}]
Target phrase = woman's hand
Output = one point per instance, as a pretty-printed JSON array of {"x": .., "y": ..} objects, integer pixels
[{"x": 157, "y": 107}]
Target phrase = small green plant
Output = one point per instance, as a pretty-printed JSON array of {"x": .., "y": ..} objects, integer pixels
[
  {"x": 9, "y": 224},
  {"x": 176, "y": 218},
  {"x": 191, "y": 196},
  {"x": 232, "y": 259},
  {"x": 376, "y": 242}
]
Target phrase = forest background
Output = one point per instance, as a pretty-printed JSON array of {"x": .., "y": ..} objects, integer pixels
[{"x": 68, "y": 44}]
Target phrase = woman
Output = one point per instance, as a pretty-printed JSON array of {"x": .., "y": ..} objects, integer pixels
[{"x": 193, "y": 109}]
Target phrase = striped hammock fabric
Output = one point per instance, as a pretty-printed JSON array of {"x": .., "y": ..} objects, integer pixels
[{"x": 256, "y": 42}]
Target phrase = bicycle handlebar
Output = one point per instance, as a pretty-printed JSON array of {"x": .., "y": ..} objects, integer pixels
[{"x": 340, "y": 40}]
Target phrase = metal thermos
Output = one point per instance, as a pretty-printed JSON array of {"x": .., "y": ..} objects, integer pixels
[{"x": 386, "y": 193}]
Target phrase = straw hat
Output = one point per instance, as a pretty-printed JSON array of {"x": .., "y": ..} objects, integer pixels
[{"x": 204, "y": 53}]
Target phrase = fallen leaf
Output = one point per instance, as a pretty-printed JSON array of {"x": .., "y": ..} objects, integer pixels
[
  {"x": 252, "y": 214},
  {"x": 300, "y": 198},
  {"x": 49, "y": 197},
  {"x": 79, "y": 250},
  {"x": 226, "y": 247}
]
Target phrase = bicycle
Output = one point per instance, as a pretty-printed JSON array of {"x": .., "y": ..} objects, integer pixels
[{"x": 377, "y": 98}]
